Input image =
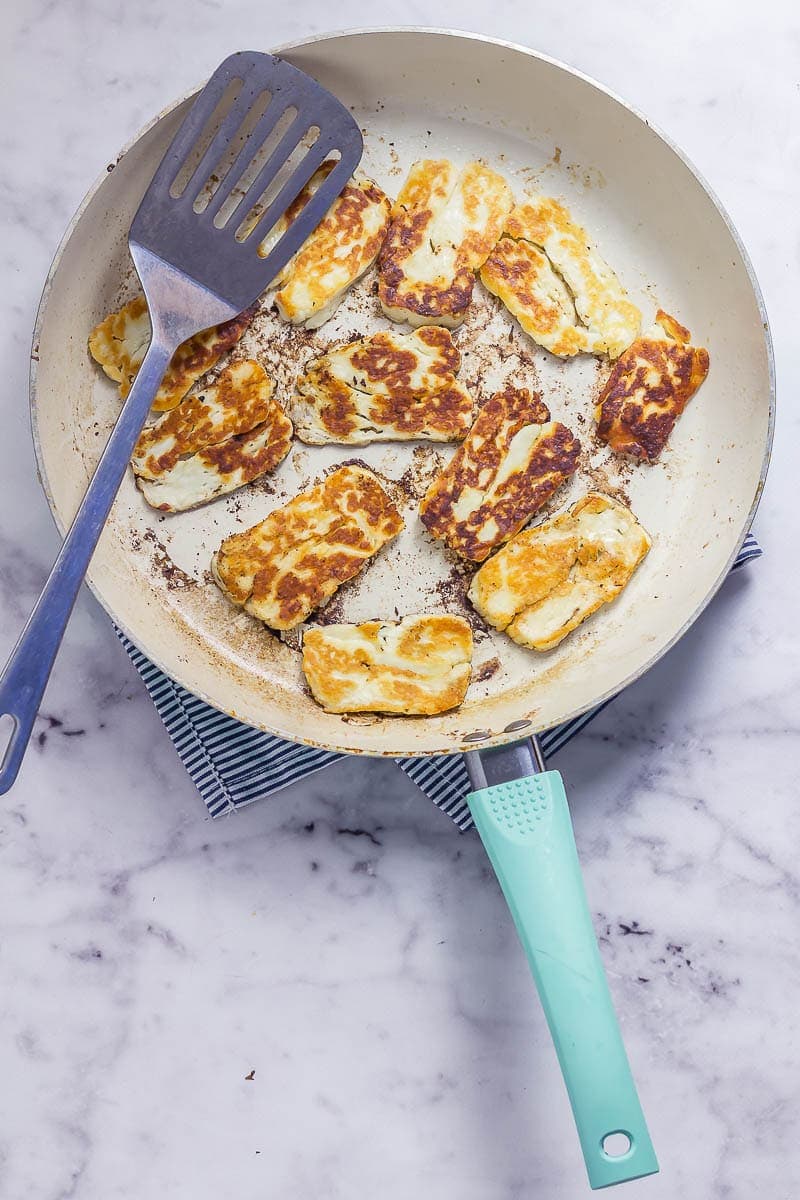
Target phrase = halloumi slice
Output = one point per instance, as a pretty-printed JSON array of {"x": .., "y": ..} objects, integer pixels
[
  {"x": 417, "y": 667},
  {"x": 513, "y": 460},
  {"x": 119, "y": 344},
  {"x": 294, "y": 560},
  {"x": 384, "y": 388},
  {"x": 521, "y": 275},
  {"x": 555, "y": 282},
  {"x": 444, "y": 223},
  {"x": 213, "y": 442},
  {"x": 343, "y": 246},
  {"x": 548, "y": 580},
  {"x": 648, "y": 389}
]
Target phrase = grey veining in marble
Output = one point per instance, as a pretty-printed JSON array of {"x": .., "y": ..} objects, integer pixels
[{"x": 322, "y": 996}]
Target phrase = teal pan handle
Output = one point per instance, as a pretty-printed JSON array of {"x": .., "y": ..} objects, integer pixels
[{"x": 526, "y": 829}]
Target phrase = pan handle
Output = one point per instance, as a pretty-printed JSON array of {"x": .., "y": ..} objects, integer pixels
[{"x": 520, "y": 811}]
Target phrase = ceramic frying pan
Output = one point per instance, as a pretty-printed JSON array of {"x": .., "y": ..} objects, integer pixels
[{"x": 421, "y": 93}]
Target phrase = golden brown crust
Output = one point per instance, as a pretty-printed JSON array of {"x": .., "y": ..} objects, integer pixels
[
  {"x": 236, "y": 458},
  {"x": 427, "y": 301},
  {"x": 419, "y": 666},
  {"x": 440, "y": 342},
  {"x": 648, "y": 389},
  {"x": 672, "y": 327},
  {"x": 548, "y": 580},
  {"x": 293, "y": 561},
  {"x": 428, "y": 262},
  {"x": 240, "y": 399},
  {"x": 513, "y": 460},
  {"x": 342, "y": 247},
  {"x": 520, "y": 275},
  {"x": 119, "y": 344},
  {"x": 428, "y": 184},
  {"x": 555, "y": 282},
  {"x": 213, "y": 442},
  {"x": 384, "y": 387}
]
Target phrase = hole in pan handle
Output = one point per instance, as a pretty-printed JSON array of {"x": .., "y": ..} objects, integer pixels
[{"x": 520, "y": 811}]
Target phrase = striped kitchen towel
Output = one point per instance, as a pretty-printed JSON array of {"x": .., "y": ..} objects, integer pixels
[{"x": 233, "y": 765}]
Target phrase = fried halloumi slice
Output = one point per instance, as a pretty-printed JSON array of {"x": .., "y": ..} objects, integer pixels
[
  {"x": 521, "y": 275},
  {"x": 648, "y": 389},
  {"x": 548, "y": 580},
  {"x": 294, "y": 560},
  {"x": 213, "y": 442},
  {"x": 119, "y": 344},
  {"x": 385, "y": 388},
  {"x": 554, "y": 281},
  {"x": 444, "y": 223},
  {"x": 513, "y": 460},
  {"x": 343, "y": 246},
  {"x": 418, "y": 666}
]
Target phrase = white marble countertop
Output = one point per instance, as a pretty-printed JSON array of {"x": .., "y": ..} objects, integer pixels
[{"x": 323, "y": 996}]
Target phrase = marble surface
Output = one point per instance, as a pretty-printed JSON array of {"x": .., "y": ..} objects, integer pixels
[{"x": 322, "y": 996}]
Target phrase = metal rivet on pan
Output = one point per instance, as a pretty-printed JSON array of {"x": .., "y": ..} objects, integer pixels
[
  {"x": 515, "y": 725},
  {"x": 480, "y": 735}
]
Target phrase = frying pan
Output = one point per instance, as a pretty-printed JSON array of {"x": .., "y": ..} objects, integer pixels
[{"x": 420, "y": 93}]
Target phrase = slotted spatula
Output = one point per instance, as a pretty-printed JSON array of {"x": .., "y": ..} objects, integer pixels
[{"x": 252, "y": 140}]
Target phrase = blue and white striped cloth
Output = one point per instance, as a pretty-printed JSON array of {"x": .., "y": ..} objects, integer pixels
[{"x": 233, "y": 765}]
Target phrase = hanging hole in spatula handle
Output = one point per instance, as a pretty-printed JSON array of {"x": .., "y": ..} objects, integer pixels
[
  {"x": 8, "y": 738},
  {"x": 14, "y": 736}
]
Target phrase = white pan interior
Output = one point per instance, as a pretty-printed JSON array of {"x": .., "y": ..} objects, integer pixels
[{"x": 416, "y": 95}]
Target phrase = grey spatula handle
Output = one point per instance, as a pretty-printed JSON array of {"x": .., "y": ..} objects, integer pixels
[{"x": 25, "y": 677}]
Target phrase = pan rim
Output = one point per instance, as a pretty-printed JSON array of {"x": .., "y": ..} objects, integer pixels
[{"x": 466, "y": 742}]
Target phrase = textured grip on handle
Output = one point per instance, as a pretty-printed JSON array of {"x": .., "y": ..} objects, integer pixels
[{"x": 526, "y": 829}]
